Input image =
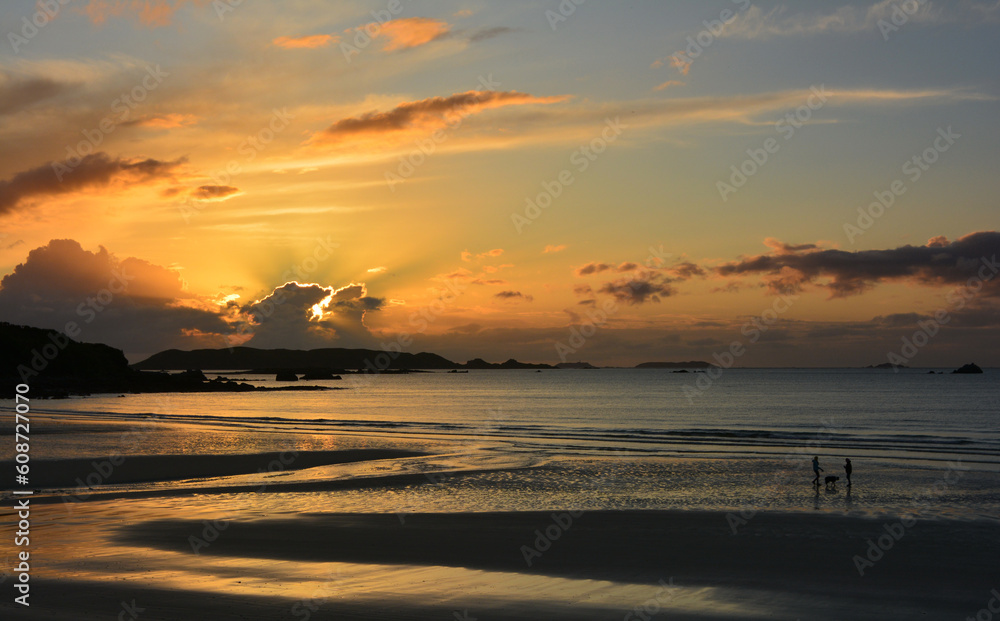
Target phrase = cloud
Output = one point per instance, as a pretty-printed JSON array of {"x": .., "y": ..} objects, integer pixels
[
  {"x": 550, "y": 249},
  {"x": 686, "y": 270},
  {"x": 378, "y": 270},
  {"x": 593, "y": 268},
  {"x": 641, "y": 288},
  {"x": 664, "y": 86},
  {"x": 939, "y": 263},
  {"x": 493, "y": 269},
  {"x": 410, "y": 32},
  {"x": 596, "y": 268},
  {"x": 755, "y": 23},
  {"x": 427, "y": 114},
  {"x": 681, "y": 63},
  {"x": 459, "y": 274},
  {"x": 513, "y": 295},
  {"x": 151, "y": 13},
  {"x": 163, "y": 121},
  {"x": 215, "y": 192},
  {"x": 309, "y": 316},
  {"x": 130, "y": 304},
  {"x": 94, "y": 171},
  {"x": 20, "y": 93},
  {"x": 491, "y": 282},
  {"x": 306, "y": 42},
  {"x": 496, "y": 252},
  {"x": 781, "y": 247},
  {"x": 489, "y": 33}
]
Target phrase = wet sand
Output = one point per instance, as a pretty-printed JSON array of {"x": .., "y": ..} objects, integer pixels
[
  {"x": 777, "y": 566},
  {"x": 119, "y": 469}
]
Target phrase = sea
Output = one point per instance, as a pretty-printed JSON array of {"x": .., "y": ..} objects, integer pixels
[{"x": 508, "y": 440}]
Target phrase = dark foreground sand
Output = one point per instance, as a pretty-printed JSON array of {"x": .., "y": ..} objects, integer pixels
[
  {"x": 56, "y": 473},
  {"x": 779, "y": 565}
]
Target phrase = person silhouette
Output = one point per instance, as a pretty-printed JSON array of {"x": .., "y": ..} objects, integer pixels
[
  {"x": 848, "y": 469},
  {"x": 816, "y": 469}
]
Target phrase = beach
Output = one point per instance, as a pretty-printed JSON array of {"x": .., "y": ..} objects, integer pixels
[
  {"x": 224, "y": 547},
  {"x": 583, "y": 565},
  {"x": 344, "y": 509}
]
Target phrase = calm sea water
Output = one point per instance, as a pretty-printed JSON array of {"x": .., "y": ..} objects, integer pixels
[{"x": 909, "y": 415}]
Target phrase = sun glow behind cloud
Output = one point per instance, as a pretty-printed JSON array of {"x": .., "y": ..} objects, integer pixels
[{"x": 482, "y": 113}]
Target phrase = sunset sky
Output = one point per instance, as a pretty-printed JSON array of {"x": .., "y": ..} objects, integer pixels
[{"x": 487, "y": 179}]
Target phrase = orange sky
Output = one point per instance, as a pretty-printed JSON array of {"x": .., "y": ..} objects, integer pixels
[{"x": 486, "y": 179}]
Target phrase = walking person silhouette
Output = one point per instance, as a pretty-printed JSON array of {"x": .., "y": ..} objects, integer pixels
[
  {"x": 848, "y": 469},
  {"x": 816, "y": 469}
]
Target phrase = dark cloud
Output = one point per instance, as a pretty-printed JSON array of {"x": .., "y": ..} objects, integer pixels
[
  {"x": 431, "y": 112},
  {"x": 593, "y": 268},
  {"x": 899, "y": 319},
  {"x": 489, "y": 282},
  {"x": 513, "y": 295},
  {"x": 214, "y": 192},
  {"x": 17, "y": 94},
  {"x": 131, "y": 304},
  {"x": 93, "y": 171},
  {"x": 781, "y": 247},
  {"x": 489, "y": 33},
  {"x": 642, "y": 288},
  {"x": 310, "y": 316},
  {"x": 687, "y": 270},
  {"x": 850, "y": 273}
]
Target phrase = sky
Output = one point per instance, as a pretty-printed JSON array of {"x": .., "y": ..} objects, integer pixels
[{"x": 751, "y": 183}]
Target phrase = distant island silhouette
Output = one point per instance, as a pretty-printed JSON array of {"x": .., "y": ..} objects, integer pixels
[
  {"x": 313, "y": 361},
  {"x": 692, "y": 364},
  {"x": 54, "y": 365}
]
